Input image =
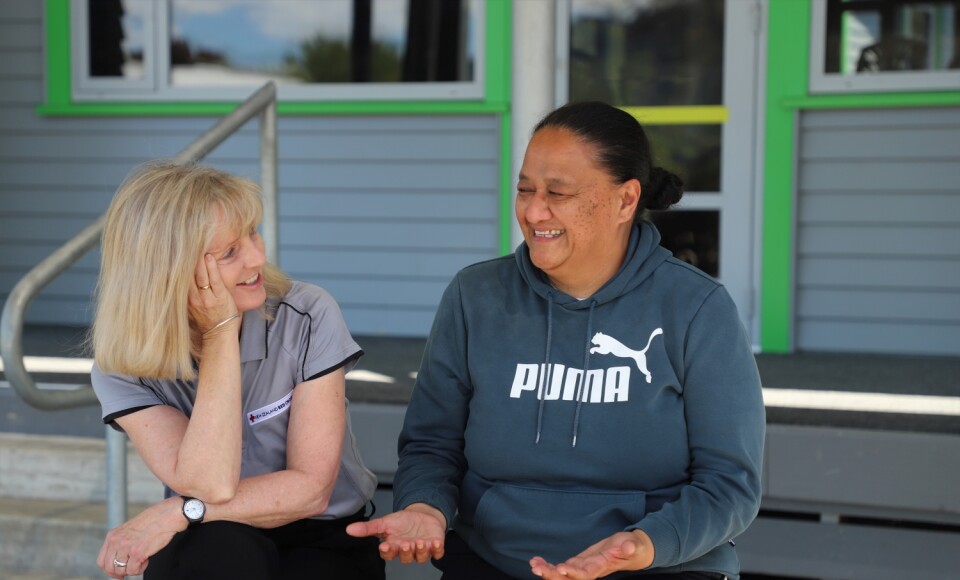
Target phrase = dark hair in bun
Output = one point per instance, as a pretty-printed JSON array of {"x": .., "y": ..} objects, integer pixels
[{"x": 622, "y": 149}]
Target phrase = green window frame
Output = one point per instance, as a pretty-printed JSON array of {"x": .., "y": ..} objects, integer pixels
[
  {"x": 883, "y": 81},
  {"x": 59, "y": 100},
  {"x": 787, "y": 94}
]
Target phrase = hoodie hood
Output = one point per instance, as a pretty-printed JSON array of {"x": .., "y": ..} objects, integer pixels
[{"x": 644, "y": 255}]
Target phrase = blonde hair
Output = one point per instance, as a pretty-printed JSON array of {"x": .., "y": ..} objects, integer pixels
[{"x": 162, "y": 218}]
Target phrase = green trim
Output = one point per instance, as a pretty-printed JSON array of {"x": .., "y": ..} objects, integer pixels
[
  {"x": 499, "y": 70},
  {"x": 498, "y": 51},
  {"x": 872, "y": 100},
  {"x": 506, "y": 185},
  {"x": 788, "y": 49},
  {"x": 57, "y": 46}
]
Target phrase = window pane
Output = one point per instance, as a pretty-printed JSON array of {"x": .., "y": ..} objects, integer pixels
[
  {"x": 690, "y": 151},
  {"x": 116, "y": 32},
  {"x": 230, "y": 42},
  {"x": 692, "y": 236},
  {"x": 647, "y": 52},
  {"x": 891, "y": 35}
]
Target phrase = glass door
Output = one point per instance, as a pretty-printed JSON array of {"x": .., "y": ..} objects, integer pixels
[{"x": 687, "y": 69}]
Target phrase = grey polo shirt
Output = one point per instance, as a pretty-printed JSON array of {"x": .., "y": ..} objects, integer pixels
[{"x": 307, "y": 338}]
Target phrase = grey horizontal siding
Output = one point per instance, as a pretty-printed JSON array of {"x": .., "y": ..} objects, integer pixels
[
  {"x": 380, "y": 210},
  {"x": 876, "y": 143},
  {"x": 881, "y": 273},
  {"x": 394, "y": 263},
  {"x": 19, "y": 33},
  {"x": 898, "y": 175},
  {"x": 910, "y": 306},
  {"x": 329, "y": 146},
  {"x": 848, "y": 236},
  {"x": 18, "y": 91},
  {"x": 881, "y": 208},
  {"x": 925, "y": 118},
  {"x": 879, "y": 337},
  {"x": 878, "y": 231}
]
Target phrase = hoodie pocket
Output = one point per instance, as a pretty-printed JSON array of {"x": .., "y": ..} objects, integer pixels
[{"x": 521, "y": 522}]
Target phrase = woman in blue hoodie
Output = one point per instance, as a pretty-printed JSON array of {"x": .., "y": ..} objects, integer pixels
[{"x": 588, "y": 407}]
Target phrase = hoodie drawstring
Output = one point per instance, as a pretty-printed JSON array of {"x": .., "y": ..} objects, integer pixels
[
  {"x": 586, "y": 369},
  {"x": 546, "y": 375}
]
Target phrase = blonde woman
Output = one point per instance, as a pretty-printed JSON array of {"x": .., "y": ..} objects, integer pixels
[{"x": 228, "y": 378}]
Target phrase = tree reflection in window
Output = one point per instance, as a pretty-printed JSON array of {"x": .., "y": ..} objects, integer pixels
[
  {"x": 335, "y": 41},
  {"x": 652, "y": 53}
]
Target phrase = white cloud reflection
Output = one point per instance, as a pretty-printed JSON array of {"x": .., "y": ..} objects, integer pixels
[{"x": 296, "y": 20}]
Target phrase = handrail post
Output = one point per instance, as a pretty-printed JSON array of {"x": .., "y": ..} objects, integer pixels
[
  {"x": 268, "y": 180},
  {"x": 116, "y": 477}
]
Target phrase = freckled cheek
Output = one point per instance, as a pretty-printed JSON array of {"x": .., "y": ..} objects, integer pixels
[{"x": 586, "y": 215}]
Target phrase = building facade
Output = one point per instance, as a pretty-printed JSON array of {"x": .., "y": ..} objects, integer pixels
[{"x": 819, "y": 140}]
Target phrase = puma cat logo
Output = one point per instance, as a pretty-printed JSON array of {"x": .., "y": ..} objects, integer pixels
[{"x": 608, "y": 345}]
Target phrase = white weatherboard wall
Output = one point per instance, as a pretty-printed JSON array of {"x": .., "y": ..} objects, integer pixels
[
  {"x": 878, "y": 231},
  {"x": 380, "y": 210}
]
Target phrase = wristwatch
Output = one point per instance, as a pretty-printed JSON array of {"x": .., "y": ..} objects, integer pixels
[{"x": 193, "y": 510}]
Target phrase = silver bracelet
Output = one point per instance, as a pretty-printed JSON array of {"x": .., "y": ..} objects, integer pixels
[{"x": 221, "y": 323}]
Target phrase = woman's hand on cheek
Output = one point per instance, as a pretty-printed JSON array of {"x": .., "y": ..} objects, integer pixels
[{"x": 209, "y": 301}]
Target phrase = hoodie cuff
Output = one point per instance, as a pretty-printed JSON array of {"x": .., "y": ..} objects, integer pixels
[
  {"x": 430, "y": 498},
  {"x": 666, "y": 543}
]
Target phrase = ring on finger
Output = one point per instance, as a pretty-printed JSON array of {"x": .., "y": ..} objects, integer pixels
[
  {"x": 207, "y": 287},
  {"x": 119, "y": 564}
]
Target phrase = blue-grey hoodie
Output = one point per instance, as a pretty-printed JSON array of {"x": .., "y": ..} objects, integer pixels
[{"x": 667, "y": 436}]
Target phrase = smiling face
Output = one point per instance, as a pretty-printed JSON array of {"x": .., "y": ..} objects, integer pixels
[
  {"x": 575, "y": 218},
  {"x": 240, "y": 258}
]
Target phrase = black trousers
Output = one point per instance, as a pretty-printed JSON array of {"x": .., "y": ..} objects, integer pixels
[
  {"x": 305, "y": 549},
  {"x": 459, "y": 562}
]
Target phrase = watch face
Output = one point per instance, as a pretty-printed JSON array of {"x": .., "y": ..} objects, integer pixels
[{"x": 193, "y": 509}]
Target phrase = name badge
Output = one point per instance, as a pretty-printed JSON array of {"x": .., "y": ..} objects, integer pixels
[{"x": 269, "y": 411}]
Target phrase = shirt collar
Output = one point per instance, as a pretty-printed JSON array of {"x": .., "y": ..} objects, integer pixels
[{"x": 253, "y": 336}]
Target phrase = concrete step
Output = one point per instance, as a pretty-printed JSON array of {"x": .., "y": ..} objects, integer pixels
[
  {"x": 67, "y": 469},
  {"x": 52, "y": 538},
  {"x": 53, "y": 512},
  {"x": 52, "y": 504}
]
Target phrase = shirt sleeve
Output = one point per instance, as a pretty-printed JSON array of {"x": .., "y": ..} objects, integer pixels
[
  {"x": 120, "y": 393},
  {"x": 726, "y": 424},
  {"x": 329, "y": 342},
  {"x": 431, "y": 456}
]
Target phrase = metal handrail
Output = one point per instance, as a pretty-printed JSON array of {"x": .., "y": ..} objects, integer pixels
[
  {"x": 11, "y": 325},
  {"x": 262, "y": 103}
]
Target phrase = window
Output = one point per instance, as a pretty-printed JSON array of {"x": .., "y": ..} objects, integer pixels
[
  {"x": 662, "y": 55},
  {"x": 329, "y": 50},
  {"x": 667, "y": 54},
  {"x": 647, "y": 53},
  {"x": 884, "y": 45}
]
